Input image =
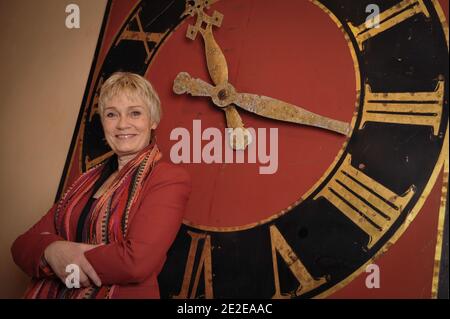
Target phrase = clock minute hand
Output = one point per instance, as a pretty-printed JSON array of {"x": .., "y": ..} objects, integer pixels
[
  {"x": 279, "y": 110},
  {"x": 224, "y": 95},
  {"x": 184, "y": 83}
]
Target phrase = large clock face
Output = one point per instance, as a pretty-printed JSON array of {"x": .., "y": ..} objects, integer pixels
[
  {"x": 280, "y": 59},
  {"x": 335, "y": 201}
]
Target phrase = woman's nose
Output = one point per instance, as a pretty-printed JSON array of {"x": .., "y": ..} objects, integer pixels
[{"x": 123, "y": 122}]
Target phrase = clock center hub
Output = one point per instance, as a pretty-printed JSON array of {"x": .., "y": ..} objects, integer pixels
[{"x": 224, "y": 95}]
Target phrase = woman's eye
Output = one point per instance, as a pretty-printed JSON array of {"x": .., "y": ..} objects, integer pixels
[
  {"x": 135, "y": 113},
  {"x": 110, "y": 114}
]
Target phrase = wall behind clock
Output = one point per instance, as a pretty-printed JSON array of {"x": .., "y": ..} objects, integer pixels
[{"x": 44, "y": 71}]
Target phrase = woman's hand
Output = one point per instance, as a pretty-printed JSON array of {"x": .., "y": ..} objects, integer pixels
[{"x": 59, "y": 254}]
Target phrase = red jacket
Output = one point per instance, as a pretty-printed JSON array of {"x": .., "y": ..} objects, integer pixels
[{"x": 135, "y": 263}]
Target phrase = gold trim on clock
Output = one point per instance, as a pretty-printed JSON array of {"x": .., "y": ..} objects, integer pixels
[{"x": 444, "y": 192}]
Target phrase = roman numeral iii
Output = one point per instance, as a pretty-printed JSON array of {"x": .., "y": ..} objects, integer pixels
[{"x": 410, "y": 108}]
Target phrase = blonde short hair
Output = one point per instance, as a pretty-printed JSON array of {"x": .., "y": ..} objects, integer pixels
[{"x": 134, "y": 86}]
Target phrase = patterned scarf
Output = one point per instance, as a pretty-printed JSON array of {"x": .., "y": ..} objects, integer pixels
[{"x": 107, "y": 221}]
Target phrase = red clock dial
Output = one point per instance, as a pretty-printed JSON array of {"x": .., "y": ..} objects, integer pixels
[{"x": 271, "y": 52}]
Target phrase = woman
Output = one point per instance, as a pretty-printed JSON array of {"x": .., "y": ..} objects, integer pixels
[{"x": 118, "y": 219}]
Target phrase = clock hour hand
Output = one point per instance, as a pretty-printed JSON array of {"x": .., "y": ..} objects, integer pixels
[
  {"x": 216, "y": 62},
  {"x": 225, "y": 94},
  {"x": 241, "y": 137},
  {"x": 215, "y": 59}
]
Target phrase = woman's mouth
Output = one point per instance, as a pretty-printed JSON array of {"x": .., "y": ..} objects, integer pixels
[{"x": 125, "y": 136}]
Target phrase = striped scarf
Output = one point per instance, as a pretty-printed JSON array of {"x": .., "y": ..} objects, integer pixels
[{"x": 107, "y": 221}]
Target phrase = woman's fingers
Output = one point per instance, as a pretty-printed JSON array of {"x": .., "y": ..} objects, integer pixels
[
  {"x": 87, "y": 267},
  {"x": 90, "y": 272},
  {"x": 84, "y": 280},
  {"x": 63, "y": 253}
]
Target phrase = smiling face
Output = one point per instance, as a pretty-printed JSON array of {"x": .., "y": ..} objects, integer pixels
[{"x": 127, "y": 124}]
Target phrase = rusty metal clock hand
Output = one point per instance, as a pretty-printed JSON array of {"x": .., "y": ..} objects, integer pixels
[
  {"x": 216, "y": 62},
  {"x": 225, "y": 94},
  {"x": 279, "y": 110}
]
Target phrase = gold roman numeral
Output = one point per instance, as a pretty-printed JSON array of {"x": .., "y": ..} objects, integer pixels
[
  {"x": 413, "y": 108},
  {"x": 140, "y": 35},
  {"x": 91, "y": 163},
  {"x": 306, "y": 281},
  {"x": 367, "y": 203},
  {"x": 203, "y": 265},
  {"x": 387, "y": 19}
]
